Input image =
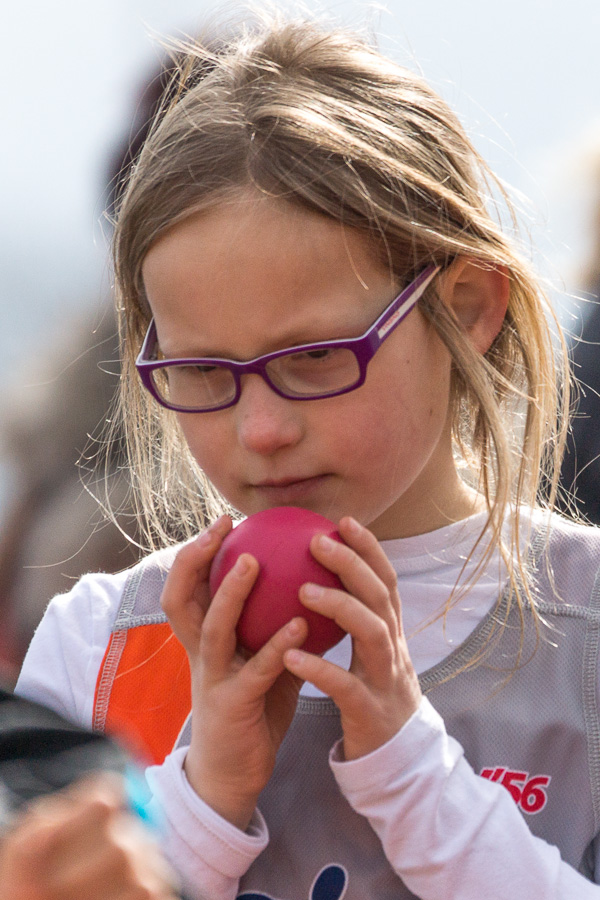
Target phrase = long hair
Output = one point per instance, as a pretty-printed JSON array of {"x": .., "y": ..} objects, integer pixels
[{"x": 319, "y": 118}]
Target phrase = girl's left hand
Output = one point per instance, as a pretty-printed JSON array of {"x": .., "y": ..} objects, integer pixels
[{"x": 381, "y": 691}]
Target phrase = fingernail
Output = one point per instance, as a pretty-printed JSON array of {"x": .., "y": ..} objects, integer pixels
[
  {"x": 293, "y": 628},
  {"x": 325, "y": 543},
  {"x": 293, "y": 657},
  {"x": 242, "y": 566},
  {"x": 209, "y": 532},
  {"x": 205, "y": 538},
  {"x": 312, "y": 591},
  {"x": 214, "y": 525},
  {"x": 353, "y": 526}
]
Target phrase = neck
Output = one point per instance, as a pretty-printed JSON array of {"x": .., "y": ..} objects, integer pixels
[
  {"x": 419, "y": 516},
  {"x": 438, "y": 497}
]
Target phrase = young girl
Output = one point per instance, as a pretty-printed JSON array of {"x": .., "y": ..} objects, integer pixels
[{"x": 324, "y": 314}]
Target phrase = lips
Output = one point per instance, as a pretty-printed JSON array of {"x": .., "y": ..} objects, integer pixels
[
  {"x": 282, "y": 491},
  {"x": 284, "y": 482}
]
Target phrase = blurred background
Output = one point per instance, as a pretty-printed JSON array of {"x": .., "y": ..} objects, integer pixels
[{"x": 523, "y": 76}]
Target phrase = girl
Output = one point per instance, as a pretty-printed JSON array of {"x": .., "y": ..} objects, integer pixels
[{"x": 299, "y": 191}]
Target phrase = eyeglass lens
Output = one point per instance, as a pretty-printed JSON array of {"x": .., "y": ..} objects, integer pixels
[{"x": 312, "y": 373}]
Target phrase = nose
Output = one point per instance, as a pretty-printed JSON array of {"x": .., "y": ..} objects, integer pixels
[{"x": 266, "y": 422}]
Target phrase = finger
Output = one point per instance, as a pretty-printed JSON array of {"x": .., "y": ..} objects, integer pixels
[
  {"x": 182, "y": 600},
  {"x": 218, "y": 639},
  {"x": 193, "y": 562},
  {"x": 353, "y": 616},
  {"x": 94, "y": 841},
  {"x": 369, "y": 718},
  {"x": 60, "y": 829},
  {"x": 108, "y": 786},
  {"x": 364, "y": 542},
  {"x": 264, "y": 668},
  {"x": 106, "y": 790},
  {"x": 118, "y": 860},
  {"x": 359, "y": 577},
  {"x": 347, "y": 691}
]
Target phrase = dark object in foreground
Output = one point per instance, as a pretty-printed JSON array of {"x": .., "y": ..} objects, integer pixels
[{"x": 40, "y": 753}]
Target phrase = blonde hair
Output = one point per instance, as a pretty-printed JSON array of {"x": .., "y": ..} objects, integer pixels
[{"x": 318, "y": 117}]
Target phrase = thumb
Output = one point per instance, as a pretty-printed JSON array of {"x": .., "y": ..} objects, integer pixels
[{"x": 186, "y": 597}]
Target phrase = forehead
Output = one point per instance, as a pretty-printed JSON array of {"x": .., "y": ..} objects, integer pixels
[{"x": 256, "y": 274}]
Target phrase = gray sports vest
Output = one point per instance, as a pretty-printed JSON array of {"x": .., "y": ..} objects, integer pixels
[{"x": 537, "y": 731}]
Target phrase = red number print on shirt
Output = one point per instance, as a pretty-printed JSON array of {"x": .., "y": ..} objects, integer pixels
[{"x": 528, "y": 792}]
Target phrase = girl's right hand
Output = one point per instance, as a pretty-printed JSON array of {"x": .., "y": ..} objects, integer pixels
[{"x": 241, "y": 707}]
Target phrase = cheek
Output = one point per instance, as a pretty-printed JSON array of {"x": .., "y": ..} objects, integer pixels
[
  {"x": 206, "y": 442},
  {"x": 401, "y": 433},
  {"x": 406, "y": 406}
]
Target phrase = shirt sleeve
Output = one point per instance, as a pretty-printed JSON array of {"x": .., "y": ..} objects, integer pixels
[
  {"x": 446, "y": 831},
  {"x": 63, "y": 660},
  {"x": 208, "y": 852}
]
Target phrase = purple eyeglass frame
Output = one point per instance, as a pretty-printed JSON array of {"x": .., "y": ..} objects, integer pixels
[{"x": 364, "y": 349}]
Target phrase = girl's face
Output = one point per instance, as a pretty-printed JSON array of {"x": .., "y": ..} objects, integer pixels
[{"x": 256, "y": 275}]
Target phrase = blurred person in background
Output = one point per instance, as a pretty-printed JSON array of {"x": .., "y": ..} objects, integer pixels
[
  {"x": 54, "y": 529},
  {"x": 580, "y": 474}
]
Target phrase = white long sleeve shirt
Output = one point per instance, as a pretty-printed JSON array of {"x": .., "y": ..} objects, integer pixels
[{"x": 461, "y": 836}]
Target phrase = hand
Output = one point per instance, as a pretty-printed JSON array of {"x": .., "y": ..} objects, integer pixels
[
  {"x": 380, "y": 692},
  {"x": 82, "y": 842},
  {"x": 241, "y": 707}
]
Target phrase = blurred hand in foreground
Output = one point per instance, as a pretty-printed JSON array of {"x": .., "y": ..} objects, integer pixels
[{"x": 82, "y": 842}]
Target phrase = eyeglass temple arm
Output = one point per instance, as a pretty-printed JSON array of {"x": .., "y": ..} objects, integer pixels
[{"x": 405, "y": 302}]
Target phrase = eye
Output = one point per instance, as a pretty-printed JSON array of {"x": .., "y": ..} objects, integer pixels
[
  {"x": 319, "y": 354},
  {"x": 317, "y": 370},
  {"x": 197, "y": 385},
  {"x": 192, "y": 371}
]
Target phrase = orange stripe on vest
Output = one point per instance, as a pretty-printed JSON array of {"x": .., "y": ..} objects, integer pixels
[{"x": 143, "y": 694}]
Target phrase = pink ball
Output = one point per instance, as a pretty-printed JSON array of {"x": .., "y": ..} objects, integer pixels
[{"x": 279, "y": 539}]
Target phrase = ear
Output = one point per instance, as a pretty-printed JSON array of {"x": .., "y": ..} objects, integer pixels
[{"x": 478, "y": 295}]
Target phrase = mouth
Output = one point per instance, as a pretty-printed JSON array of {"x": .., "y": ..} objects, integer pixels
[{"x": 286, "y": 491}]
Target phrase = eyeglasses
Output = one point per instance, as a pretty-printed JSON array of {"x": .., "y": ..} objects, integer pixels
[{"x": 305, "y": 372}]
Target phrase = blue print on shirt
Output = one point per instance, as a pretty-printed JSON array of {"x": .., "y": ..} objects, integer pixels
[{"x": 330, "y": 884}]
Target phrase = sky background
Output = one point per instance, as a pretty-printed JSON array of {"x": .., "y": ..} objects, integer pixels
[{"x": 524, "y": 76}]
